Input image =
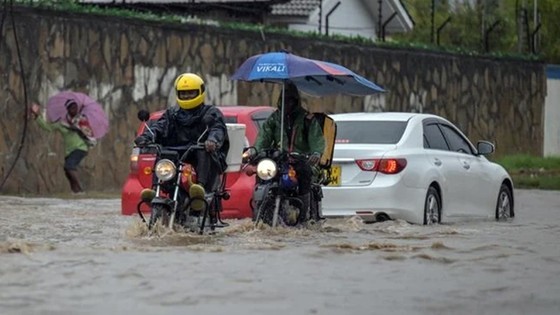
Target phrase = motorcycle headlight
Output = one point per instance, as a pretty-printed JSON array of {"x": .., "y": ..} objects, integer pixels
[
  {"x": 266, "y": 169},
  {"x": 165, "y": 170}
]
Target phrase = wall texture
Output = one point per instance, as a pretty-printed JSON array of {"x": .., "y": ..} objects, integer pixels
[{"x": 130, "y": 65}]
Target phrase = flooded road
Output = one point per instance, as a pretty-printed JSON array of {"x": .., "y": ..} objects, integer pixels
[{"x": 80, "y": 256}]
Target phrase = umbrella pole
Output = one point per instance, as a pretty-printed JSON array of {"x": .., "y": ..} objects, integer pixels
[{"x": 282, "y": 118}]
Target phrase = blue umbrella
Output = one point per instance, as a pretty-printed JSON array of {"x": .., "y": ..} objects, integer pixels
[{"x": 314, "y": 77}]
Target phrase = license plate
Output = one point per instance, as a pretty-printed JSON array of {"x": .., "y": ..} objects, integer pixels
[{"x": 336, "y": 173}]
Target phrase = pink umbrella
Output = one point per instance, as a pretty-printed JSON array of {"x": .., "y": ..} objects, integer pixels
[{"x": 56, "y": 111}]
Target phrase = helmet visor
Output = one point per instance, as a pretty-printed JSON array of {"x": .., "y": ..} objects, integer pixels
[{"x": 187, "y": 94}]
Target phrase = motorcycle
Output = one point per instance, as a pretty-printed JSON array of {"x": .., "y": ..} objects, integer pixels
[
  {"x": 276, "y": 199},
  {"x": 169, "y": 199}
]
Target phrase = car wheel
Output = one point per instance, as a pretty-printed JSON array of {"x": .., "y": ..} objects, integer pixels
[
  {"x": 432, "y": 207},
  {"x": 504, "y": 206}
]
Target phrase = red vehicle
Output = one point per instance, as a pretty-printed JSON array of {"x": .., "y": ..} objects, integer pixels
[{"x": 238, "y": 183}]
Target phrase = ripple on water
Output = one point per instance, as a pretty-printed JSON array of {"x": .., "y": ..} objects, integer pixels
[
  {"x": 374, "y": 246},
  {"x": 443, "y": 260}
]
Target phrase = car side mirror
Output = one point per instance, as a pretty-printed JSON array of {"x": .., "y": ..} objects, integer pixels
[
  {"x": 485, "y": 147},
  {"x": 143, "y": 115}
]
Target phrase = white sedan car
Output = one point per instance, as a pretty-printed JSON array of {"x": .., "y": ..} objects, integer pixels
[{"x": 415, "y": 167}]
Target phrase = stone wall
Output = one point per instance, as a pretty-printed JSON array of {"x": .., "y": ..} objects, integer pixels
[{"x": 130, "y": 65}]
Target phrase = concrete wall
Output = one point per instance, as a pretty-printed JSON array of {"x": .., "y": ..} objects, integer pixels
[
  {"x": 130, "y": 65},
  {"x": 552, "y": 112}
]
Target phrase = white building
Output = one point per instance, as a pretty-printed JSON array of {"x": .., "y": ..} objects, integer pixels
[
  {"x": 365, "y": 18},
  {"x": 349, "y": 17}
]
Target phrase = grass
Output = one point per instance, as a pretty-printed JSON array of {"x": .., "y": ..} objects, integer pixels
[{"x": 532, "y": 171}]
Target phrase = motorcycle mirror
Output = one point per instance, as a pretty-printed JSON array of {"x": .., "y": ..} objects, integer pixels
[
  {"x": 143, "y": 115},
  {"x": 245, "y": 149}
]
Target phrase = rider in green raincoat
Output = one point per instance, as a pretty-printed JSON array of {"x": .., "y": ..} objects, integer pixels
[{"x": 302, "y": 134}]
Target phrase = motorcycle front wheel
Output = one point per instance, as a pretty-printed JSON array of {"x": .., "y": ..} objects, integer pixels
[
  {"x": 160, "y": 214},
  {"x": 265, "y": 211}
]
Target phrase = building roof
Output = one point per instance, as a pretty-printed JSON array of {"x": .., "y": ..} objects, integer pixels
[{"x": 296, "y": 7}]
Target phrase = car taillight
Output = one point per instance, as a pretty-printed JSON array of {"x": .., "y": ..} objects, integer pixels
[
  {"x": 367, "y": 165},
  {"x": 134, "y": 160},
  {"x": 385, "y": 166}
]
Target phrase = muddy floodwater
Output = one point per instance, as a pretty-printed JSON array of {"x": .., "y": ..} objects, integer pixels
[{"x": 80, "y": 256}]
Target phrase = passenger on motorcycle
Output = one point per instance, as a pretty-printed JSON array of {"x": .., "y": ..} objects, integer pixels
[
  {"x": 183, "y": 124},
  {"x": 312, "y": 144}
]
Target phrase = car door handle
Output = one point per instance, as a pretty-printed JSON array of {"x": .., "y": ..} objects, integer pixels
[{"x": 437, "y": 162}]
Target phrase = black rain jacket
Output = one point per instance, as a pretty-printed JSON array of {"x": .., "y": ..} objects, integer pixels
[{"x": 180, "y": 127}]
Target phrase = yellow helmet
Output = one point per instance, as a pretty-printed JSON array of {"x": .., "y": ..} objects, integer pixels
[{"x": 190, "y": 91}]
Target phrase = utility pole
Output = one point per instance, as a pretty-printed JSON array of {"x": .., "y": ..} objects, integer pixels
[
  {"x": 535, "y": 5},
  {"x": 320, "y": 15},
  {"x": 379, "y": 18},
  {"x": 433, "y": 13}
]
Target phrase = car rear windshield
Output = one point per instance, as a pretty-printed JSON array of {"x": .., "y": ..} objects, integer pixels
[
  {"x": 230, "y": 119},
  {"x": 370, "y": 132}
]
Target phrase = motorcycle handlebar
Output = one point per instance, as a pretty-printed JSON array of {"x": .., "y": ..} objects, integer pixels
[
  {"x": 198, "y": 146},
  {"x": 275, "y": 154},
  {"x": 159, "y": 148}
]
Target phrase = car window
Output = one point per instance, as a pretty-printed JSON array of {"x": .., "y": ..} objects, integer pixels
[
  {"x": 456, "y": 141},
  {"x": 433, "y": 137},
  {"x": 370, "y": 132},
  {"x": 260, "y": 117},
  {"x": 230, "y": 119},
  {"x": 259, "y": 123}
]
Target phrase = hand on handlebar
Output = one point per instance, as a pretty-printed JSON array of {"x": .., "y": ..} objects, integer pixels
[
  {"x": 248, "y": 154},
  {"x": 141, "y": 141},
  {"x": 314, "y": 158},
  {"x": 210, "y": 146}
]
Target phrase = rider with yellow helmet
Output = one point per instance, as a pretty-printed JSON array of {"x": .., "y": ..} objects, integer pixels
[
  {"x": 190, "y": 91},
  {"x": 184, "y": 123}
]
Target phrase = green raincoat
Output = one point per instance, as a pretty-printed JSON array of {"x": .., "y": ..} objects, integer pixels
[
  {"x": 296, "y": 141},
  {"x": 72, "y": 140}
]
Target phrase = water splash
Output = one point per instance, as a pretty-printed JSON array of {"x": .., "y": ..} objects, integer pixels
[{"x": 22, "y": 247}]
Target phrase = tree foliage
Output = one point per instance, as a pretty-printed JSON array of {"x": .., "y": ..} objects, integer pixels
[{"x": 488, "y": 26}]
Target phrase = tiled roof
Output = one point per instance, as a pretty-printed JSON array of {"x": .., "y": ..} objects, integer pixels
[{"x": 296, "y": 7}]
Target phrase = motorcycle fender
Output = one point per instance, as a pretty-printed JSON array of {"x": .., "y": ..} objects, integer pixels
[
  {"x": 296, "y": 201},
  {"x": 162, "y": 201},
  {"x": 260, "y": 192}
]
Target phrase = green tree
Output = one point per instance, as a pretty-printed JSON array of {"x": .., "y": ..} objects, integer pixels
[
  {"x": 505, "y": 26},
  {"x": 550, "y": 30}
]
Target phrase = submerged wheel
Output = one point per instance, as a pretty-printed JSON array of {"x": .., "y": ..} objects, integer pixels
[
  {"x": 504, "y": 206},
  {"x": 158, "y": 213},
  {"x": 267, "y": 210},
  {"x": 432, "y": 207}
]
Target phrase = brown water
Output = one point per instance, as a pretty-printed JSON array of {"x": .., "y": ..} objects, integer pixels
[{"x": 80, "y": 256}]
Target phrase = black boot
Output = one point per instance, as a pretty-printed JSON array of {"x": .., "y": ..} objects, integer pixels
[{"x": 74, "y": 180}]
